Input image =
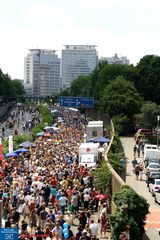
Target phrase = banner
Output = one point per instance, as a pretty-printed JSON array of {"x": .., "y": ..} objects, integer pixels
[{"x": 10, "y": 143}]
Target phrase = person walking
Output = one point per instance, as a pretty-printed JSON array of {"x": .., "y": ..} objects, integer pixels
[
  {"x": 63, "y": 203},
  {"x": 43, "y": 218},
  {"x": 141, "y": 168},
  {"x": 135, "y": 150},
  {"x": 137, "y": 169},
  {"x": 93, "y": 227},
  {"x": 103, "y": 224}
]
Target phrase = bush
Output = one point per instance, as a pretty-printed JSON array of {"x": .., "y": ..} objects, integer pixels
[
  {"x": 46, "y": 118},
  {"x": 115, "y": 161},
  {"x": 102, "y": 176},
  {"x": 131, "y": 211},
  {"x": 116, "y": 144}
]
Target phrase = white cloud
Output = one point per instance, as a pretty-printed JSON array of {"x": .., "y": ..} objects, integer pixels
[
  {"x": 46, "y": 11},
  {"x": 101, "y": 3}
]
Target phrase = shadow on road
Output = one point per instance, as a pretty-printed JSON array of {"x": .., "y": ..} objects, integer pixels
[{"x": 145, "y": 237}]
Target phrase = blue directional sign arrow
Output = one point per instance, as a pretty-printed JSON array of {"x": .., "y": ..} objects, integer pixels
[{"x": 77, "y": 102}]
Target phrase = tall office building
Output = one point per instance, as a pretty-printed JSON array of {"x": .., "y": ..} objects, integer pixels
[
  {"x": 115, "y": 60},
  {"x": 77, "y": 60},
  {"x": 42, "y": 73}
]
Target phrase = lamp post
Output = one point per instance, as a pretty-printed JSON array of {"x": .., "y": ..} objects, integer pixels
[{"x": 158, "y": 118}]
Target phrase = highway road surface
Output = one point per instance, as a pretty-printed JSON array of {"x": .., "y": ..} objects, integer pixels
[{"x": 153, "y": 219}]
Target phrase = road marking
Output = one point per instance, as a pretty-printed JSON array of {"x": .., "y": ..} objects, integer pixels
[{"x": 153, "y": 219}]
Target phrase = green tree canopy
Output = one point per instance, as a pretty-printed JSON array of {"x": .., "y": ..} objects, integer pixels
[
  {"x": 9, "y": 87},
  {"x": 148, "y": 83},
  {"x": 121, "y": 97},
  {"x": 105, "y": 73},
  {"x": 80, "y": 86},
  {"x": 148, "y": 116}
]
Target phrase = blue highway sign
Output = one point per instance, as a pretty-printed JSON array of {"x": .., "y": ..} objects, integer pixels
[
  {"x": 9, "y": 233},
  {"x": 77, "y": 102}
]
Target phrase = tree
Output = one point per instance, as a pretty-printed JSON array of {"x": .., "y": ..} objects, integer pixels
[
  {"x": 122, "y": 125},
  {"x": 80, "y": 86},
  {"x": 148, "y": 116},
  {"x": 9, "y": 88},
  {"x": 131, "y": 211},
  {"x": 102, "y": 177},
  {"x": 19, "y": 88},
  {"x": 115, "y": 161},
  {"x": 105, "y": 73},
  {"x": 121, "y": 97},
  {"x": 148, "y": 82}
]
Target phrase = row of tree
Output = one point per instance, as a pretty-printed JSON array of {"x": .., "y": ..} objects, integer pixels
[
  {"x": 125, "y": 92},
  {"x": 8, "y": 87}
]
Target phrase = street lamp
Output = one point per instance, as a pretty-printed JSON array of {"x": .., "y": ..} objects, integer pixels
[{"x": 158, "y": 118}]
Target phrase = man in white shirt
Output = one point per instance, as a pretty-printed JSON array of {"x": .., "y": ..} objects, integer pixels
[
  {"x": 93, "y": 229},
  {"x": 63, "y": 203},
  {"x": 86, "y": 198}
]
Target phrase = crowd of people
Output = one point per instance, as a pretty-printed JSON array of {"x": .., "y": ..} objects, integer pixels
[
  {"x": 45, "y": 188},
  {"x": 20, "y": 119}
]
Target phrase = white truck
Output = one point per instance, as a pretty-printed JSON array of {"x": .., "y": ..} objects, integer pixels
[
  {"x": 94, "y": 129},
  {"x": 88, "y": 154}
]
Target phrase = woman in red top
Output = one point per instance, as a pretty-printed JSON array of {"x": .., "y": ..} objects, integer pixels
[{"x": 103, "y": 224}]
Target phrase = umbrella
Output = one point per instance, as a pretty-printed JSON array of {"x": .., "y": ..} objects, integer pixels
[
  {"x": 54, "y": 128},
  {"x": 40, "y": 134},
  {"x": 100, "y": 140},
  {"x": 12, "y": 154},
  {"x": 27, "y": 144},
  {"x": 101, "y": 196},
  {"x": 21, "y": 150},
  {"x": 47, "y": 127},
  {"x": 60, "y": 121}
]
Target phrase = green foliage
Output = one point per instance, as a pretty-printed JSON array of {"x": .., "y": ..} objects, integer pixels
[
  {"x": 131, "y": 211},
  {"x": 115, "y": 161},
  {"x": 105, "y": 73},
  {"x": 80, "y": 86},
  {"x": 116, "y": 144},
  {"x": 9, "y": 88},
  {"x": 102, "y": 177},
  {"x": 148, "y": 116},
  {"x": 122, "y": 124},
  {"x": 148, "y": 82},
  {"x": 17, "y": 140},
  {"x": 46, "y": 118},
  {"x": 121, "y": 97},
  {"x": 46, "y": 115}
]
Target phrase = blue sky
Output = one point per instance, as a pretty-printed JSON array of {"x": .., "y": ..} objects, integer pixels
[{"x": 127, "y": 27}]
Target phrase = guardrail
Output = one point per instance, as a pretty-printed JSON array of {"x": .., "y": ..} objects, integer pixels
[{"x": 116, "y": 181}]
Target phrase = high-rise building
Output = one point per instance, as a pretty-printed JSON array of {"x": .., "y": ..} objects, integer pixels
[
  {"x": 77, "y": 60},
  {"x": 42, "y": 73},
  {"x": 115, "y": 60}
]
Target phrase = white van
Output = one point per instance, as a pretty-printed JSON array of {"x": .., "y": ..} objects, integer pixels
[
  {"x": 149, "y": 147},
  {"x": 151, "y": 154}
]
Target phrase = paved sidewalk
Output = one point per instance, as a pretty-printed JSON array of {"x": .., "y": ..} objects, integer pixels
[{"x": 153, "y": 219}]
